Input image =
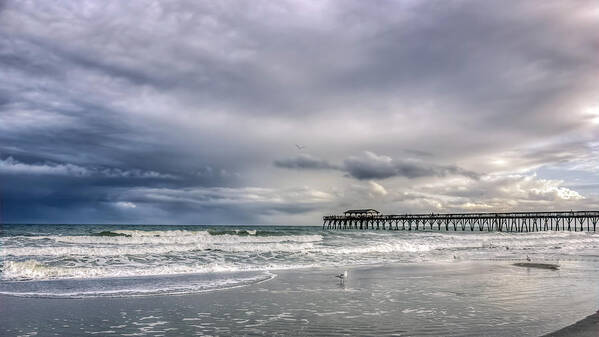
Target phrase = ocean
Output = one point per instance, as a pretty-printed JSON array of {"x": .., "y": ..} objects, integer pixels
[{"x": 268, "y": 280}]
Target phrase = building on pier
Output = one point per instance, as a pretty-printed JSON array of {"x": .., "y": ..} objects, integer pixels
[{"x": 362, "y": 212}]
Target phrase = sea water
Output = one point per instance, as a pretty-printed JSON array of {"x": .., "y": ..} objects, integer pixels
[
  {"x": 115, "y": 260},
  {"x": 268, "y": 280}
]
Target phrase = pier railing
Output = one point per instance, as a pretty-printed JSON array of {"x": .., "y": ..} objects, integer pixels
[{"x": 503, "y": 222}]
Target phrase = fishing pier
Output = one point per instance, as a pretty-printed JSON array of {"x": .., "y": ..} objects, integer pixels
[{"x": 577, "y": 221}]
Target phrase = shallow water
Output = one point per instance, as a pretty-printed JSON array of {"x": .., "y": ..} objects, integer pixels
[{"x": 430, "y": 299}]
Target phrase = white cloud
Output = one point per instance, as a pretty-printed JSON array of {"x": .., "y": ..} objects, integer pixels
[
  {"x": 592, "y": 113},
  {"x": 377, "y": 189},
  {"x": 12, "y": 166},
  {"x": 476, "y": 206},
  {"x": 131, "y": 173},
  {"x": 125, "y": 204},
  {"x": 503, "y": 192}
]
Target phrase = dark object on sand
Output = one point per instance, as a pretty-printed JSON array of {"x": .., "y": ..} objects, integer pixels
[
  {"x": 537, "y": 265},
  {"x": 587, "y": 327}
]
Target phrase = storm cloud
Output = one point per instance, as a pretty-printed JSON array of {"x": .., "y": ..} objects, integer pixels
[
  {"x": 305, "y": 162},
  {"x": 372, "y": 166},
  {"x": 186, "y": 111}
]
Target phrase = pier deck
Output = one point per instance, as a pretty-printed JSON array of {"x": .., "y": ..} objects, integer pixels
[{"x": 502, "y": 222}]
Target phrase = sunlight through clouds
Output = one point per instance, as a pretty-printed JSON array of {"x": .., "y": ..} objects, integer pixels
[{"x": 197, "y": 109}]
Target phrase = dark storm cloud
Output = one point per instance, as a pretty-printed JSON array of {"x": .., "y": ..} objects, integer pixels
[
  {"x": 264, "y": 63},
  {"x": 365, "y": 168},
  {"x": 373, "y": 166},
  {"x": 305, "y": 162},
  {"x": 97, "y": 97}
]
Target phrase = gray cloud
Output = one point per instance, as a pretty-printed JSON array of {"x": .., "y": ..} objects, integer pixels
[
  {"x": 305, "y": 161},
  {"x": 11, "y": 166},
  {"x": 418, "y": 153},
  {"x": 372, "y": 166},
  {"x": 215, "y": 94}
]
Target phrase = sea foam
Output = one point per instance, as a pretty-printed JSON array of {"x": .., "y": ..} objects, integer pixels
[{"x": 134, "y": 251}]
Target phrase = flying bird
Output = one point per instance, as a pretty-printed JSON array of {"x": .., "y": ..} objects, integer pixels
[
  {"x": 300, "y": 147},
  {"x": 342, "y": 277}
]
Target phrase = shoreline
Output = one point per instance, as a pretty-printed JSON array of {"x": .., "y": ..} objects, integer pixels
[
  {"x": 381, "y": 299},
  {"x": 586, "y": 327}
]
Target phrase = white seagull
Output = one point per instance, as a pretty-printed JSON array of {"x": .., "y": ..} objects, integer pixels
[
  {"x": 528, "y": 258},
  {"x": 342, "y": 277}
]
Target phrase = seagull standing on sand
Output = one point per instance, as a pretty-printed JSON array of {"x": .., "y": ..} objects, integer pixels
[
  {"x": 528, "y": 258},
  {"x": 342, "y": 277}
]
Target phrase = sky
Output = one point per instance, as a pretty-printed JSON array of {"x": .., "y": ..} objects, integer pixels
[{"x": 280, "y": 112}]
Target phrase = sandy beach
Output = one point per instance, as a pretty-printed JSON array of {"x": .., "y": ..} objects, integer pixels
[{"x": 461, "y": 299}]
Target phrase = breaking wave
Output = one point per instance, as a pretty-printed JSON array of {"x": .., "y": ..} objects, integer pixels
[
  {"x": 83, "y": 253},
  {"x": 38, "y": 270},
  {"x": 109, "y": 233}
]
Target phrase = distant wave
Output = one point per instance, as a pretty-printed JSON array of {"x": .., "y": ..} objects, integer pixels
[
  {"x": 109, "y": 233},
  {"x": 130, "y": 251},
  {"x": 242, "y": 232},
  {"x": 96, "y": 249}
]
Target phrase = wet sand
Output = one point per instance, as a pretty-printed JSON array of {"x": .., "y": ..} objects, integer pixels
[
  {"x": 588, "y": 327},
  {"x": 451, "y": 299}
]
